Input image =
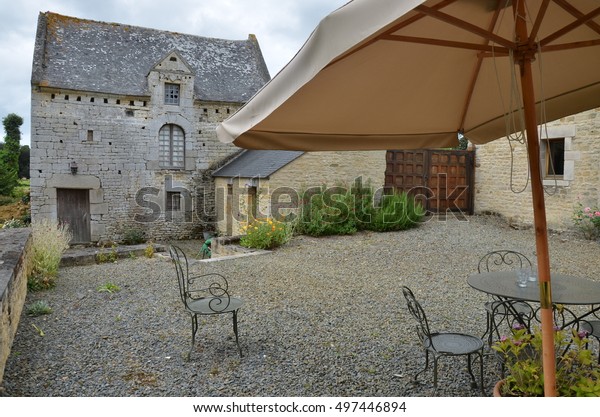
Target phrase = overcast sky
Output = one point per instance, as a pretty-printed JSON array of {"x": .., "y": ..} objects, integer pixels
[{"x": 281, "y": 27}]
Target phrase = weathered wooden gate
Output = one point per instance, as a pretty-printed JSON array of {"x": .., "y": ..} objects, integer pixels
[
  {"x": 74, "y": 209},
  {"x": 442, "y": 180}
]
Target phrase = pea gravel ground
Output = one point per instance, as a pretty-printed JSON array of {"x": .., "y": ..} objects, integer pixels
[{"x": 323, "y": 317}]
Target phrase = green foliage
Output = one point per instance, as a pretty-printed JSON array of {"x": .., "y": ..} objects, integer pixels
[
  {"x": 49, "y": 241},
  {"x": 266, "y": 234},
  {"x": 8, "y": 178},
  {"x": 340, "y": 211},
  {"x": 577, "y": 372},
  {"x": 587, "y": 220},
  {"x": 108, "y": 287},
  {"x": 397, "y": 211},
  {"x": 327, "y": 211},
  {"x": 9, "y": 155},
  {"x": 133, "y": 237},
  {"x": 14, "y": 224},
  {"x": 149, "y": 251},
  {"x": 110, "y": 256},
  {"x": 39, "y": 308},
  {"x": 24, "y": 157},
  {"x": 6, "y": 199}
]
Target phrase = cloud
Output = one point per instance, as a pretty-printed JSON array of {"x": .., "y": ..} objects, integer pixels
[{"x": 281, "y": 27}]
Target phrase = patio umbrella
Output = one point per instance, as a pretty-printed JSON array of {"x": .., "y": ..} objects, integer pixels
[{"x": 391, "y": 74}]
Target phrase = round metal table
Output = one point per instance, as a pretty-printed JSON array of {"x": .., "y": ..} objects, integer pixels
[{"x": 566, "y": 289}]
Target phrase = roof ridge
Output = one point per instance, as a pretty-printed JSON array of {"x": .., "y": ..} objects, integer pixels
[{"x": 57, "y": 16}]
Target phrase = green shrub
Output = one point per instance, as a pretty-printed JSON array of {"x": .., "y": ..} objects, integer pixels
[
  {"x": 327, "y": 211},
  {"x": 49, "y": 241},
  {"x": 5, "y": 200},
  {"x": 133, "y": 237},
  {"x": 110, "y": 256},
  {"x": 396, "y": 211},
  {"x": 266, "y": 234},
  {"x": 341, "y": 211},
  {"x": 14, "y": 224},
  {"x": 38, "y": 308},
  {"x": 149, "y": 251},
  {"x": 108, "y": 287}
]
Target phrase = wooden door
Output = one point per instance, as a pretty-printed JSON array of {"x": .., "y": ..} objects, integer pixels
[
  {"x": 406, "y": 171},
  {"x": 450, "y": 181},
  {"x": 441, "y": 180},
  {"x": 74, "y": 209}
]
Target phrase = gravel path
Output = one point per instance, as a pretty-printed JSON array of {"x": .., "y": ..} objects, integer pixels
[{"x": 323, "y": 317}]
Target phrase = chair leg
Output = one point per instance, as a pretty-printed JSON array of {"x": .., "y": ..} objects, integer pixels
[
  {"x": 435, "y": 372},
  {"x": 235, "y": 331},
  {"x": 481, "y": 372},
  {"x": 426, "y": 365},
  {"x": 194, "y": 331},
  {"x": 470, "y": 370},
  {"x": 488, "y": 328}
]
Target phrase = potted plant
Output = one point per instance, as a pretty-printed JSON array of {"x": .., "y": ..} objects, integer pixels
[{"x": 577, "y": 372}]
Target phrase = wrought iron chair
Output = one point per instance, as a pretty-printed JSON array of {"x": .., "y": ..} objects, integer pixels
[
  {"x": 203, "y": 295},
  {"x": 593, "y": 329},
  {"x": 497, "y": 310},
  {"x": 444, "y": 343}
]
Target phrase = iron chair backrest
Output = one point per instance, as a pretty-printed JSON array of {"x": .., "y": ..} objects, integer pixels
[
  {"x": 418, "y": 313},
  {"x": 502, "y": 259},
  {"x": 211, "y": 287}
]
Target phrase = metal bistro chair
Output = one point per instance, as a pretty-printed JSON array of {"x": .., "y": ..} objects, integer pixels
[
  {"x": 444, "y": 344},
  {"x": 498, "y": 310},
  {"x": 593, "y": 329},
  {"x": 204, "y": 295}
]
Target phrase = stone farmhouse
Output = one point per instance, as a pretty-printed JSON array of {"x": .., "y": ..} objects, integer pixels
[
  {"x": 259, "y": 184},
  {"x": 123, "y": 125},
  {"x": 123, "y": 133}
]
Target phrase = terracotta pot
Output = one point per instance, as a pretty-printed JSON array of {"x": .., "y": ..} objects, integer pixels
[{"x": 497, "y": 388}]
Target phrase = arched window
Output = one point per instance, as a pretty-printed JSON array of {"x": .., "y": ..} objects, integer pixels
[{"x": 171, "y": 147}]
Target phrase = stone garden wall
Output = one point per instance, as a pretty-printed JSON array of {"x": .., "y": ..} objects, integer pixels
[{"x": 14, "y": 267}]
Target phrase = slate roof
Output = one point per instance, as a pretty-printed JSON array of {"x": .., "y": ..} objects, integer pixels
[
  {"x": 257, "y": 164},
  {"x": 93, "y": 56}
]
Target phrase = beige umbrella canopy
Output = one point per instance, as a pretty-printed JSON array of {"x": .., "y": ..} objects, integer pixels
[{"x": 391, "y": 74}]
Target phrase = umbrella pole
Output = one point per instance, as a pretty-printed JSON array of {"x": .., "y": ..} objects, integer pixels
[{"x": 539, "y": 208}]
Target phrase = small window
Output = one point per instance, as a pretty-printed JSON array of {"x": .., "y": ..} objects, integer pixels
[
  {"x": 555, "y": 157},
  {"x": 172, "y": 94},
  {"x": 90, "y": 135},
  {"x": 173, "y": 201},
  {"x": 171, "y": 147}
]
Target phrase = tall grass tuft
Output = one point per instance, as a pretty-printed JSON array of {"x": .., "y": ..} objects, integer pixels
[{"x": 49, "y": 241}]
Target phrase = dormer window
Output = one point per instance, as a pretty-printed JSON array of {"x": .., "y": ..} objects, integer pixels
[{"x": 172, "y": 94}]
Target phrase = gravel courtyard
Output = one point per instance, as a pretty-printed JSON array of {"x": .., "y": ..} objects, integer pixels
[{"x": 323, "y": 317}]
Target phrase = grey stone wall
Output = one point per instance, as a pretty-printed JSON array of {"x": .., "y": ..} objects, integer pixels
[
  {"x": 502, "y": 182},
  {"x": 114, "y": 142},
  {"x": 14, "y": 268}
]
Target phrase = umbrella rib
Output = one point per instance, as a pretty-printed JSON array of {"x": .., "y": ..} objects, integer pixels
[
  {"x": 538, "y": 22},
  {"x": 486, "y": 34},
  {"x": 573, "y": 25},
  {"x": 576, "y": 13},
  {"x": 477, "y": 69},
  {"x": 442, "y": 42},
  {"x": 570, "y": 45},
  {"x": 389, "y": 31}
]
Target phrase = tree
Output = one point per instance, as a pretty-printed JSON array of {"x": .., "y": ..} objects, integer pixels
[
  {"x": 24, "y": 162},
  {"x": 9, "y": 156}
]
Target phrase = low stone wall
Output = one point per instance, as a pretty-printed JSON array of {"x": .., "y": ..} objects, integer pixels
[{"x": 15, "y": 249}]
